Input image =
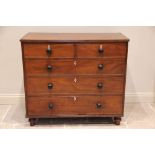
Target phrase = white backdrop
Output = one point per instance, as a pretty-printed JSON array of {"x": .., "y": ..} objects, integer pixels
[{"x": 141, "y": 57}]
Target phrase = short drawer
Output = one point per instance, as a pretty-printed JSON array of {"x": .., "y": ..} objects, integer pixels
[
  {"x": 101, "y": 50},
  {"x": 74, "y": 105},
  {"x": 74, "y": 84},
  {"x": 48, "y": 50},
  {"x": 80, "y": 66}
]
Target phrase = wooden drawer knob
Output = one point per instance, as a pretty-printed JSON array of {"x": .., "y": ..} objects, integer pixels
[
  {"x": 50, "y": 85},
  {"x": 100, "y": 85},
  {"x": 49, "y": 51},
  {"x": 101, "y": 50},
  {"x": 98, "y": 105},
  {"x": 49, "y": 68},
  {"x": 100, "y": 66},
  {"x": 50, "y": 106}
]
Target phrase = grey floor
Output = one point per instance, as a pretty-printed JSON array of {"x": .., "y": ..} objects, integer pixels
[{"x": 136, "y": 115}]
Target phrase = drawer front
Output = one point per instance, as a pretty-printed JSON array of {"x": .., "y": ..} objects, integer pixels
[
  {"x": 48, "y": 50},
  {"x": 101, "y": 50},
  {"x": 47, "y": 67},
  {"x": 77, "y": 105},
  {"x": 81, "y": 66},
  {"x": 80, "y": 84},
  {"x": 101, "y": 66}
]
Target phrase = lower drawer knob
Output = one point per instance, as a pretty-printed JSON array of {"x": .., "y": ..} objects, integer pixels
[
  {"x": 50, "y": 85},
  {"x": 50, "y": 106},
  {"x": 49, "y": 68},
  {"x": 100, "y": 85},
  {"x": 100, "y": 66},
  {"x": 98, "y": 105}
]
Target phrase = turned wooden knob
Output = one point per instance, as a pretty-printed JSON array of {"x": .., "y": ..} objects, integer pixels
[
  {"x": 101, "y": 50},
  {"x": 49, "y": 51},
  {"x": 49, "y": 68},
  {"x": 100, "y": 66},
  {"x": 98, "y": 105},
  {"x": 100, "y": 85},
  {"x": 50, "y": 85},
  {"x": 50, "y": 106}
]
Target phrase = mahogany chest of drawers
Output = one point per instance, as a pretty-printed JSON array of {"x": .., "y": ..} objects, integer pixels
[{"x": 74, "y": 75}]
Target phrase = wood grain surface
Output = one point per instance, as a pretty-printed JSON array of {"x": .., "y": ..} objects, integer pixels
[
  {"x": 66, "y": 105},
  {"x": 74, "y": 75},
  {"x": 83, "y": 84},
  {"x": 80, "y": 66}
]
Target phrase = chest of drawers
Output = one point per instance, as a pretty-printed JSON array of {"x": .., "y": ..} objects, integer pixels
[{"x": 74, "y": 75}]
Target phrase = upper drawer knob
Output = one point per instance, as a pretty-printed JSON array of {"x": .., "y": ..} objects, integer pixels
[
  {"x": 101, "y": 50},
  {"x": 49, "y": 68},
  {"x": 100, "y": 66},
  {"x": 100, "y": 85},
  {"x": 50, "y": 85},
  {"x": 49, "y": 50}
]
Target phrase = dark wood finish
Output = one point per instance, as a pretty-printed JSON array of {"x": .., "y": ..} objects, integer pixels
[
  {"x": 74, "y": 105},
  {"x": 83, "y": 84},
  {"x": 74, "y": 75},
  {"x": 33, "y": 121},
  {"x": 117, "y": 120}
]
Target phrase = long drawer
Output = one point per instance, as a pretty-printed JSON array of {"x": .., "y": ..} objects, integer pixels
[
  {"x": 74, "y": 105},
  {"x": 79, "y": 66},
  {"x": 75, "y": 84}
]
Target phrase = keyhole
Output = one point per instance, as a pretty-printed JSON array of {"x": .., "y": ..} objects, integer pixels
[
  {"x": 75, "y": 98},
  {"x": 75, "y": 80},
  {"x": 75, "y": 63}
]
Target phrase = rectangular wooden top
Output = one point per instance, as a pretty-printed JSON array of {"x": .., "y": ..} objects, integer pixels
[{"x": 74, "y": 37}]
